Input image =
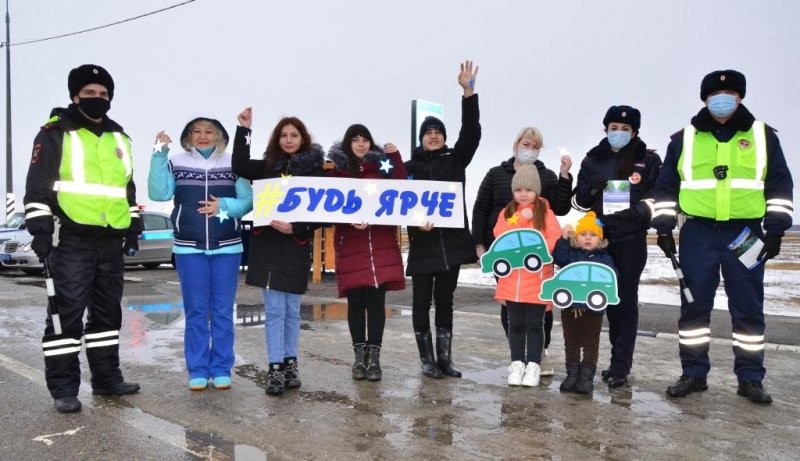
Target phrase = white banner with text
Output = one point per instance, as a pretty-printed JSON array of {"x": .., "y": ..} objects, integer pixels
[{"x": 348, "y": 200}]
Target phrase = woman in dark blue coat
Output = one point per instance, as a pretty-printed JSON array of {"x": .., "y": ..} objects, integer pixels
[{"x": 621, "y": 156}]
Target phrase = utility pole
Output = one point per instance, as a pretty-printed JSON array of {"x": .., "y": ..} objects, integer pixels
[{"x": 9, "y": 166}]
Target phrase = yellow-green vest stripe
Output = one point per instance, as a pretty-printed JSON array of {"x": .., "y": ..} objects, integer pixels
[
  {"x": 94, "y": 174},
  {"x": 740, "y": 195}
]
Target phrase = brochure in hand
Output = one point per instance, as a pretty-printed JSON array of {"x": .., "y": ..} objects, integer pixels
[
  {"x": 747, "y": 246},
  {"x": 616, "y": 197}
]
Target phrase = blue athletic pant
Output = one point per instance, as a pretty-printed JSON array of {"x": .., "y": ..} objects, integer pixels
[{"x": 208, "y": 284}]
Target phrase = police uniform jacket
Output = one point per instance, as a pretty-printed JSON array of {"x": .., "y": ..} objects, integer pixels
[
  {"x": 778, "y": 183},
  {"x": 43, "y": 173}
]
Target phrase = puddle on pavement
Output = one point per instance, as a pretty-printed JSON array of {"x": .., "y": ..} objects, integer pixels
[
  {"x": 161, "y": 313},
  {"x": 202, "y": 445},
  {"x": 253, "y": 314}
]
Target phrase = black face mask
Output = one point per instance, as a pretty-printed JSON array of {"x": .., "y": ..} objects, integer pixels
[{"x": 95, "y": 108}]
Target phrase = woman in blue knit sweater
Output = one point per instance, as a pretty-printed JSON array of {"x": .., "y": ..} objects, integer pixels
[{"x": 209, "y": 199}]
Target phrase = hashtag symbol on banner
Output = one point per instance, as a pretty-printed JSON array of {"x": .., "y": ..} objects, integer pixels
[{"x": 266, "y": 200}]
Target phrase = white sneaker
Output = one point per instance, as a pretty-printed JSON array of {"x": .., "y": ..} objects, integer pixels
[
  {"x": 532, "y": 373},
  {"x": 515, "y": 372},
  {"x": 546, "y": 368}
]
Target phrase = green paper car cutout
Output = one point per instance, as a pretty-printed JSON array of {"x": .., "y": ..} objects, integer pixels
[
  {"x": 514, "y": 249},
  {"x": 584, "y": 282}
]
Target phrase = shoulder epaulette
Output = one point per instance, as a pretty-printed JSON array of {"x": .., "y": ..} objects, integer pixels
[{"x": 51, "y": 122}]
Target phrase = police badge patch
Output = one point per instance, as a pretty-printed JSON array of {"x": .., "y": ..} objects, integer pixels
[
  {"x": 35, "y": 155},
  {"x": 744, "y": 144},
  {"x": 119, "y": 153}
]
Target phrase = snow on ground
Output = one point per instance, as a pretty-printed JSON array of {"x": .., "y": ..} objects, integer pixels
[{"x": 660, "y": 285}]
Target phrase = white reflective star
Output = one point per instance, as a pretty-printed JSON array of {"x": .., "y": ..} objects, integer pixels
[
  {"x": 285, "y": 179},
  {"x": 371, "y": 188},
  {"x": 562, "y": 151},
  {"x": 247, "y": 139},
  {"x": 222, "y": 215},
  {"x": 418, "y": 217},
  {"x": 158, "y": 145},
  {"x": 386, "y": 165}
]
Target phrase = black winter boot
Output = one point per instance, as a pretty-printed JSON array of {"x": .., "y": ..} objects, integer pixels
[
  {"x": 276, "y": 379},
  {"x": 444, "y": 342},
  {"x": 359, "y": 366},
  {"x": 425, "y": 346},
  {"x": 754, "y": 391},
  {"x": 291, "y": 373},
  {"x": 569, "y": 383},
  {"x": 686, "y": 385},
  {"x": 69, "y": 404},
  {"x": 586, "y": 379},
  {"x": 374, "y": 372}
]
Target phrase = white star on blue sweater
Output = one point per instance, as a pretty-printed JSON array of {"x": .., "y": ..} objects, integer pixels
[{"x": 222, "y": 215}]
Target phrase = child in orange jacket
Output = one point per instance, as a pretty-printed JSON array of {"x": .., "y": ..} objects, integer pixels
[{"x": 520, "y": 289}]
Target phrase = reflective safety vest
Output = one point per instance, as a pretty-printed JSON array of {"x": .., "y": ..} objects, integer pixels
[
  {"x": 94, "y": 174},
  {"x": 740, "y": 194}
]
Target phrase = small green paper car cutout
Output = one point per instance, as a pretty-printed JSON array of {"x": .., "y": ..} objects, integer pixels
[
  {"x": 517, "y": 248},
  {"x": 583, "y": 282}
]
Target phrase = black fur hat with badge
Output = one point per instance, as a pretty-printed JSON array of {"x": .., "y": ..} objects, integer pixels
[
  {"x": 87, "y": 74},
  {"x": 623, "y": 114},
  {"x": 723, "y": 80}
]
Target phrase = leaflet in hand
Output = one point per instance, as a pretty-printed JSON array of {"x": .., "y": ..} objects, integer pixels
[
  {"x": 747, "y": 246},
  {"x": 616, "y": 197}
]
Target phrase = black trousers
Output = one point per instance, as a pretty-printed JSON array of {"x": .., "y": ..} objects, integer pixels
[
  {"x": 548, "y": 323},
  {"x": 526, "y": 331},
  {"x": 366, "y": 310},
  {"x": 440, "y": 287},
  {"x": 630, "y": 257},
  {"x": 87, "y": 275}
]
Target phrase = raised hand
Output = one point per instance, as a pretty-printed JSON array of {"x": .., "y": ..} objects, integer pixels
[
  {"x": 566, "y": 164},
  {"x": 162, "y": 139},
  {"x": 389, "y": 148},
  {"x": 567, "y": 232},
  {"x": 245, "y": 118},
  {"x": 467, "y": 77}
]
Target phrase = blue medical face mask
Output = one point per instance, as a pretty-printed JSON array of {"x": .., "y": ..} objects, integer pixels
[
  {"x": 206, "y": 151},
  {"x": 722, "y": 105},
  {"x": 619, "y": 139}
]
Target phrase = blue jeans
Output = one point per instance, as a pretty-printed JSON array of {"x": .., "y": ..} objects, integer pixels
[
  {"x": 208, "y": 284},
  {"x": 282, "y": 325}
]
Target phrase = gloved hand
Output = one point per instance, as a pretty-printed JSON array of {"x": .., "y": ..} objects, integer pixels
[
  {"x": 772, "y": 246},
  {"x": 667, "y": 244},
  {"x": 597, "y": 186},
  {"x": 131, "y": 244},
  {"x": 42, "y": 245},
  {"x": 628, "y": 215}
]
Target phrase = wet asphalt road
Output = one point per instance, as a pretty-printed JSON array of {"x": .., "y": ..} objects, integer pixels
[{"x": 402, "y": 417}]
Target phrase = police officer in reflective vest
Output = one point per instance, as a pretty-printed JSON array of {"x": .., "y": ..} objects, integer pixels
[
  {"x": 80, "y": 207},
  {"x": 726, "y": 172}
]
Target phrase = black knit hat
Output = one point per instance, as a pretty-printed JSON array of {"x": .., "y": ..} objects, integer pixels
[
  {"x": 623, "y": 114},
  {"x": 723, "y": 80},
  {"x": 432, "y": 123},
  {"x": 186, "y": 135},
  {"x": 81, "y": 76}
]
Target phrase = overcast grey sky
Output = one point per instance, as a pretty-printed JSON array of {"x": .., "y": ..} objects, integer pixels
[{"x": 557, "y": 65}]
